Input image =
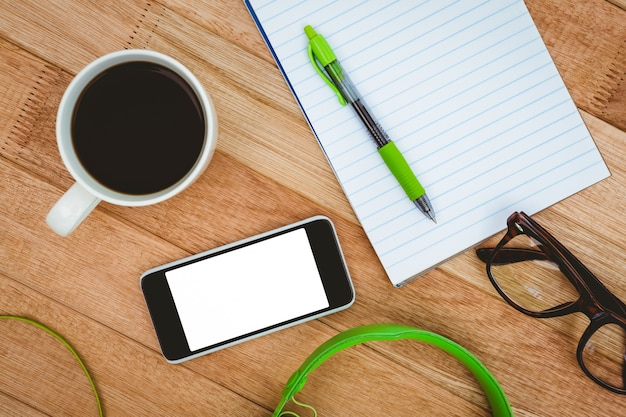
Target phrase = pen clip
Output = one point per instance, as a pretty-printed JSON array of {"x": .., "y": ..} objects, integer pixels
[{"x": 320, "y": 71}]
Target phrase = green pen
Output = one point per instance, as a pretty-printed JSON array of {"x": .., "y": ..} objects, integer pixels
[{"x": 332, "y": 73}]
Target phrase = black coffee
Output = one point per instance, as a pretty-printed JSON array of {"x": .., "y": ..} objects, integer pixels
[{"x": 138, "y": 128}]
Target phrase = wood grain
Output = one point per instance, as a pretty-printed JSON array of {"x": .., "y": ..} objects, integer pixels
[
  {"x": 588, "y": 48},
  {"x": 269, "y": 171},
  {"x": 619, "y": 3}
]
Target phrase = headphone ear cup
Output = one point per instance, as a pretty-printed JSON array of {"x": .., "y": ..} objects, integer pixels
[{"x": 498, "y": 401}]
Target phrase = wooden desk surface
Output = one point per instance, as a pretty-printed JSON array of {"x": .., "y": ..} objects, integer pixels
[{"x": 268, "y": 171}]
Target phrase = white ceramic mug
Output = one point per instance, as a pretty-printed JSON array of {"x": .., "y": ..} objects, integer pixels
[{"x": 87, "y": 192}]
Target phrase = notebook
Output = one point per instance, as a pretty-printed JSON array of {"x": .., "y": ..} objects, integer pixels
[{"x": 468, "y": 92}]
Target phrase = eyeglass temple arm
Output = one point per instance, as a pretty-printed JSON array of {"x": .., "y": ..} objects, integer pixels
[
  {"x": 510, "y": 255},
  {"x": 593, "y": 285}
]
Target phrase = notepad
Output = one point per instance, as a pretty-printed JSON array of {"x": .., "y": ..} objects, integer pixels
[{"x": 468, "y": 92}]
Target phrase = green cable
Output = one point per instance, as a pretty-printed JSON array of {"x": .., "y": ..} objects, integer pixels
[
  {"x": 67, "y": 345},
  {"x": 291, "y": 413}
]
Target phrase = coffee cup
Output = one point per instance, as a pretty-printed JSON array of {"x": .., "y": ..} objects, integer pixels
[{"x": 134, "y": 128}]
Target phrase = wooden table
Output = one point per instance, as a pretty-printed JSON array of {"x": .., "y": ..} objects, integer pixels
[{"x": 268, "y": 171}]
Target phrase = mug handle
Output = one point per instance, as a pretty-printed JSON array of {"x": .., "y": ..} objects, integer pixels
[{"x": 71, "y": 209}]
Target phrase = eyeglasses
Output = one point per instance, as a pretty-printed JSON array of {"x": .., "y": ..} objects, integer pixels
[{"x": 538, "y": 276}]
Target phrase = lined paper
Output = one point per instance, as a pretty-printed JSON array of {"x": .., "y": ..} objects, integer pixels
[{"x": 469, "y": 94}]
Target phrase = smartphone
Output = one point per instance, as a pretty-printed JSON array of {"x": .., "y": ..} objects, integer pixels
[{"x": 247, "y": 289}]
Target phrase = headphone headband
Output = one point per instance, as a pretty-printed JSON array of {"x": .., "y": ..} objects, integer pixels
[{"x": 375, "y": 332}]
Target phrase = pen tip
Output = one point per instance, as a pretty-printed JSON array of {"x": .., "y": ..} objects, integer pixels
[
  {"x": 423, "y": 203},
  {"x": 431, "y": 215}
]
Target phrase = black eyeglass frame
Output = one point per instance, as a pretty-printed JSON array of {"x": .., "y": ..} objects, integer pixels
[{"x": 595, "y": 300}]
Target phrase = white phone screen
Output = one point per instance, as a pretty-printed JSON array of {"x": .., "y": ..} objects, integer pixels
[{"x": 247, "y": 289}]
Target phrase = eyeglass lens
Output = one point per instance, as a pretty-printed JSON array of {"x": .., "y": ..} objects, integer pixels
[
  {"x": 529, "y": 278},
  {"x": 532, "y": 281},
  {"x": 604, "y": 355}
]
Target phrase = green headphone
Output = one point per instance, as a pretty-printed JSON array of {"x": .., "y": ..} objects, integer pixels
[{"x": 495, "y": 395}]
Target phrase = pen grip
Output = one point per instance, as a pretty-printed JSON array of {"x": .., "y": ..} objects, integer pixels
[{"x": 401, "y": 170}]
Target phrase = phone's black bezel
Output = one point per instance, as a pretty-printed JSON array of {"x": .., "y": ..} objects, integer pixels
[{"x": 328, "y": 257}]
